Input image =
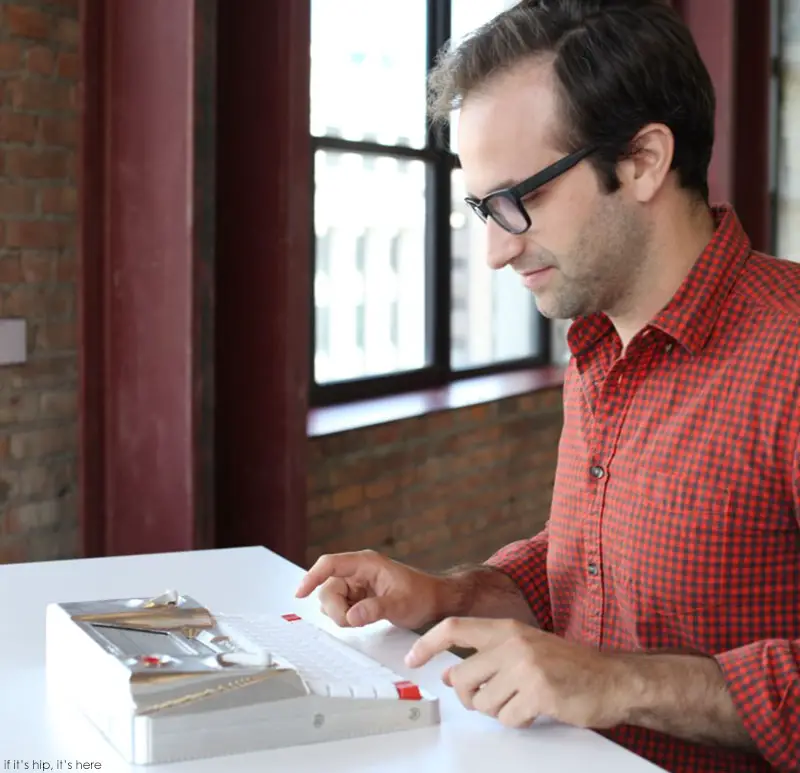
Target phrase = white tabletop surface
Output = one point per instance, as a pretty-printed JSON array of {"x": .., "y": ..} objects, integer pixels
[{"x": 248, "y": 580}]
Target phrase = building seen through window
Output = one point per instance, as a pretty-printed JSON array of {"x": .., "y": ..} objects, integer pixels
[{"x": 375, "y": 212}]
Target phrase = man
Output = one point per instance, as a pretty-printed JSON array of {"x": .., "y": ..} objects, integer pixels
[{"x": 661, "y": 604}]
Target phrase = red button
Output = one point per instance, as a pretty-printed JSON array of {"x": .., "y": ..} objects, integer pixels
[
  {"x": 408, "y": 691},
  {"x": 291, "y": 618},
  {"x": 151, "y": 660}
]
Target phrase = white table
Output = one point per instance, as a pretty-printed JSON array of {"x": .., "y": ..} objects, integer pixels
[{"x": 240, "y": 581}]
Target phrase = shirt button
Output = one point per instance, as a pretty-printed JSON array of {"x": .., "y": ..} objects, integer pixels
[
  {"x": 597, "y": 472},
  {"x": 593, "y": 569}
]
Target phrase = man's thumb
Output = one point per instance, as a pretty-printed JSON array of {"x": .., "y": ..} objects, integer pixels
[{"x": 366, "y": 611}]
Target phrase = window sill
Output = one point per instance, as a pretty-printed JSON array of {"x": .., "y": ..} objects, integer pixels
[{"x": 332, "y": 419}]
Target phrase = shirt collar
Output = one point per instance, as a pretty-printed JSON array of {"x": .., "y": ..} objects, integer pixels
[{"x": 691, "y": 314}]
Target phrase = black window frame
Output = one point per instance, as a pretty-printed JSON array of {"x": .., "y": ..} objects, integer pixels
[{"x": 441, "y": 162}]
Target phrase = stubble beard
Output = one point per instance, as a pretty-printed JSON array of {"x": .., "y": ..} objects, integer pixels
[{"x": 601, "y": 269}]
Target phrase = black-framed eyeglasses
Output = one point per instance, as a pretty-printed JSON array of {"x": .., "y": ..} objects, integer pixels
[{"x": 505, "y": 206}]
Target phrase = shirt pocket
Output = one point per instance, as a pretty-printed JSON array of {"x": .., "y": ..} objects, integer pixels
[{"x": 698, "y": 552}]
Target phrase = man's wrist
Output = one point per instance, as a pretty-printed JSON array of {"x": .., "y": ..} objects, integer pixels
[
  {"x": 635, "y": 683},
  {"x": 680, "y": 694},
  {"x": 452, "y": 595}
]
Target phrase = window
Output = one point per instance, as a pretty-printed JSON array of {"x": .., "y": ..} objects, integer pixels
[
  {"x": 403, "y": 297},
  {"x": 786, "y": 165}
]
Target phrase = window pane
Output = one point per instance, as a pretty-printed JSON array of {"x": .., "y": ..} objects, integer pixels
[
  {"x": 788, "y": 215},
  {"x": 467, "y": 16},
  {"x": 494, "y": 318},
  {"x": 370, "y": 277},
  {"x": 368, "y": 71}
]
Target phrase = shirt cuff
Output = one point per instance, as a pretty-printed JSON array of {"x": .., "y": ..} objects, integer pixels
[
  {"x": 763, "y": 680},
  {"x": 525, "y": 562}
]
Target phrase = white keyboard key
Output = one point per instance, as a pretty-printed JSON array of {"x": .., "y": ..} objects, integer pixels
[
  {"x": 318, "y": 687},
  {"x": 363, "y": 690},
  {"x": 385, "y": 689},
  {"x": 340, "y": 690}
]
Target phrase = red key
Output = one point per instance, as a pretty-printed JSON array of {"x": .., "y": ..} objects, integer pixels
[{"x": 408, "y": 691}]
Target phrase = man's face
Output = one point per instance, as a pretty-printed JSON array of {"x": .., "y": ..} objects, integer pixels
[{"x": 585, "y": 248}]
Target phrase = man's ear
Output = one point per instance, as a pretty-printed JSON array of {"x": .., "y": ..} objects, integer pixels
[{"x": 648, "y": 163}]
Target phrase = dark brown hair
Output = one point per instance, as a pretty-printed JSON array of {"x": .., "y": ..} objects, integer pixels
[{"x": 619, "y": 65}]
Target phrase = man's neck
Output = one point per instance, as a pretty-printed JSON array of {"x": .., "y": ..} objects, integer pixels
[{"x": 677, "y": 244}]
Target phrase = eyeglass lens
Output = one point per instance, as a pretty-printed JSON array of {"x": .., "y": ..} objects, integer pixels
[{"x": 506, "y": 212}]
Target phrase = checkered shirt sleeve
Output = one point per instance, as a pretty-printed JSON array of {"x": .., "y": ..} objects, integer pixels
[{"x": 525, "y": 562}]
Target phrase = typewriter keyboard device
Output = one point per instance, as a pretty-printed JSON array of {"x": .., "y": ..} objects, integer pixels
[{"x": 164, "y": 679}]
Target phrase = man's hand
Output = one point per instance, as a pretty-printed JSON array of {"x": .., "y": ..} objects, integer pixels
[
  {"x": 360, "y": 588},
  {"x": 520, "y": 673}
]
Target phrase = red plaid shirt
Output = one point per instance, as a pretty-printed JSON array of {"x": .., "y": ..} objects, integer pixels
[{"x": 675, "y": 520}]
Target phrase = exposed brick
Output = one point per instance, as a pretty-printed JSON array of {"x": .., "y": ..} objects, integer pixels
[
  {"x": 54, "y": 371},
  {"x": 41, "y": 60},
  {"x": 38, "y": 266},
  {"x": 36, "y": 516},
  {"x": 41, "y": 95},
  {"x": 347, "y": 497},
  {"x": 27, "y": 22},
  {"x": 58, "y": 405},
  {"x": 39, "y": 131},
  {"x": 17, "y": 407},
  {"x": 38, "y": 234},
  {"x": 17, "y": 199},
  {"x": 60, "y": 131},
  {"x": 50, "y": 336},
  {"x": 59, "y": 201},
  {"x": 42, "y": 443},
  {"x": 10, "y": 56},
  {"x": 68, "y": 65},
  {"x": 17, "y": 127},
  {"x": 380, "y": 488},
  {"x": 68, "y": 32},
  {"x": 39, "y": 302},
  {"x": 10, "y": 269},
  {"x": 34, "y": 163},
  {"x": 12, "y": 552},
  {"x": 447, "y": 488},
  {"x": 67, "y": 269}
]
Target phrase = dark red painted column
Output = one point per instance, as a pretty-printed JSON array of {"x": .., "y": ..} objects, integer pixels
[
  {"x": 263, "y": 274},
  {"x": 712, "y": 23},
  {"x": 147, "y": 230},
  {"x": 734, "y": 40},
  {"x": 754, "y": 129}
]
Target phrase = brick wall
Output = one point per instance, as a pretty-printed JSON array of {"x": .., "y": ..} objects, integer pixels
[
  {"x": 437, "y": 490},
  {"x": 38, "y": 414}
]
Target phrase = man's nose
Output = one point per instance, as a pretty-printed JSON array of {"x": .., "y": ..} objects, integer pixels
[{"x": 501, "y": 246}]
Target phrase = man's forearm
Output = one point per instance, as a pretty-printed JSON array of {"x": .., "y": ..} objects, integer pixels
[
  {"x": 482, "y": 591},
  {"x": 684, "y": 696}
]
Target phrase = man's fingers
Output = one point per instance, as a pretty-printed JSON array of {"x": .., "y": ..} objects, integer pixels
[
  {"x": 493, "y": 696},
  {"x": 368, "y": 611},
  {"x": 475, "y": 633},
  {"x": 517, "y": 713},
  {"x": 469, "y": 676},
  {"x": 339, "y": 565},
  {"x": 333, "y": 601}
]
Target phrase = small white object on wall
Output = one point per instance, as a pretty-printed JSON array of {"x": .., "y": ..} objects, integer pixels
[{"x": 13, "y": 343}]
